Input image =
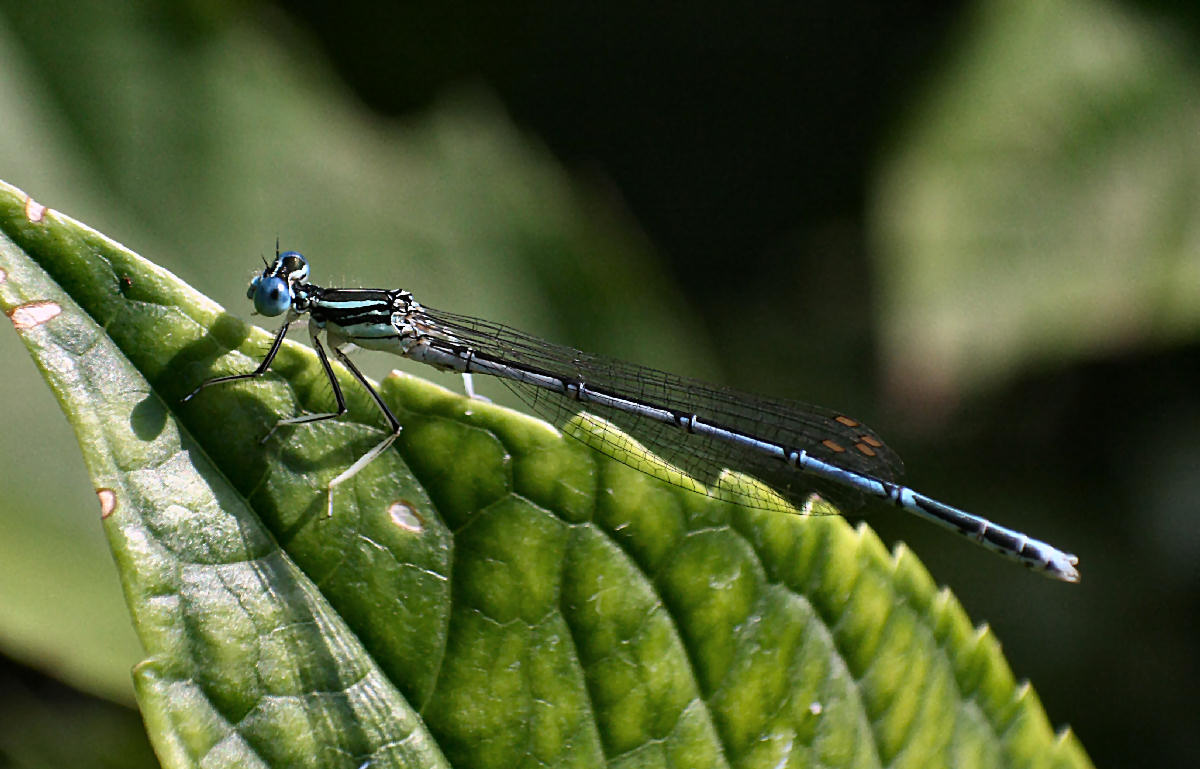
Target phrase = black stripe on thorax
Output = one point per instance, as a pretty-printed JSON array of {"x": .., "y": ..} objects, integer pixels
[{"x": 351, "y": 306}]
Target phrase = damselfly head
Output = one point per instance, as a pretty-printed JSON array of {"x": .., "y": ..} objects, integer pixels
[
  {"x": 271, "y": 295},
  {"x": 272, "y": 291},
  {"x": 292, "y": 266}
]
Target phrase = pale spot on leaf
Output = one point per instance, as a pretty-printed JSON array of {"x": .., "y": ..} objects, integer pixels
[
  {"x": 108, "y": 502},
  {"x": 405, "y": 516},
  {"x": 33, "y": 314},
  {"x": 34, "y": 211}
]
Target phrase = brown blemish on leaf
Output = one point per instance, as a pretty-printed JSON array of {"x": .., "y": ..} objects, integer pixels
[
  {"x": 34, "y": 314},
  {"x": 405, "y": 515},
  {"x": 108, "y": 502},
  {"x": 34, "y": 211}
]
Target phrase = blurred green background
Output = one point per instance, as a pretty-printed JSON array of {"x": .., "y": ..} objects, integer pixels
[{"x": 972, "y": 224}]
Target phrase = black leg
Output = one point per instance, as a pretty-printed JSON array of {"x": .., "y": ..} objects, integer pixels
[
  {"x": 387, "y": 413},
  {"x": 337, "y": 391},
  {"x": 262, "y": 367},
  {"x": 379, "y": 448}
]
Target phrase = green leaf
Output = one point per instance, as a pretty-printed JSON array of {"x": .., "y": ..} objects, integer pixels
[
  {"x": 1038, "y": 208},
  {"x": 490, "y": 593},
  {"x": 279, "y": 147}
]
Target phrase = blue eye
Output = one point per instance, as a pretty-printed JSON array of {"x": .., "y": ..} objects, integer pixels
[
  {"x": 271, "y": 295},
  {"x": 293, "y": 265}
]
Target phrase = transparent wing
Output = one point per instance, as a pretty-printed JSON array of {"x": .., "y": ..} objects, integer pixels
[{"x": 827, "y": 435}]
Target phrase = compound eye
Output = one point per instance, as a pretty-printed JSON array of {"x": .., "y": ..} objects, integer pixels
[
  {"x": 271, "y": 295},
  {"x": 294, "y": 266}
]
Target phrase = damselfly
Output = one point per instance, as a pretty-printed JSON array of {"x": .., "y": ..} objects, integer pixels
[{"x": 797, "y": 451}]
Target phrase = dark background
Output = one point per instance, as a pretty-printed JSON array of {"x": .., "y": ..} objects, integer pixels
[
  {"x": 745, "y": 142},
  {"x": 742, "y": 138}
]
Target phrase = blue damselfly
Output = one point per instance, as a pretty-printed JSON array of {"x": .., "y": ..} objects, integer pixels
[{"x": 799, "y": 452}]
